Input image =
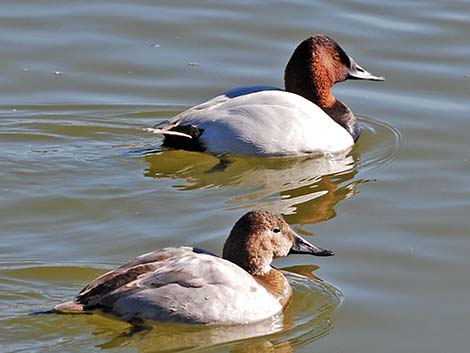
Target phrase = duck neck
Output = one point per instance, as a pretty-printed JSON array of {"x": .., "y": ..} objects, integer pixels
[
  {"x": 253, "y": 254},
  {"x": 255, "y": 265},
  {"x": 308, "y": 78},
  {"x": 276, "y": 284},
  {"x": 321, "y": 96},
  {"x": 340, "y": 113},
  {"x": 336, "y": 110}
]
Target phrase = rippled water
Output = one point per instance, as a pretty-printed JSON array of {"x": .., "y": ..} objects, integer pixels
[{"x": 83, "y": 188}]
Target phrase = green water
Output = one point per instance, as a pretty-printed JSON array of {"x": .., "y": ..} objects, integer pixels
[{"x": 79, "y": 194}]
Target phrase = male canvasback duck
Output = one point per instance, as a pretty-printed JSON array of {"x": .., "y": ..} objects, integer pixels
[
  {"x": 189, "y": 285},
  {"x": 305, "y": 118}
]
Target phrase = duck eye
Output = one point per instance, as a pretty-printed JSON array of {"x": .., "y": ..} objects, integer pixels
[{"x": 276, "y": 230}]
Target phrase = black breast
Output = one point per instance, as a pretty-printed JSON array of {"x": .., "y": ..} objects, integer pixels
[{"x": 340, "y": 113}]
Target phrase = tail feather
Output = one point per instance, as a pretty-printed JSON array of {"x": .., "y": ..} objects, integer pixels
[
  {"x": 69, "y": 307},
  {"x": 63, "y": 308},
  {"x": 167, "y": 132},
  {"x": 180, "y": 136}
]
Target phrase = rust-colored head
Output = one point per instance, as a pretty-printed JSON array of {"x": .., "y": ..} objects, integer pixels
[
  {"x": 316, "y": 65},
  {"x": 259, "y": 236}
]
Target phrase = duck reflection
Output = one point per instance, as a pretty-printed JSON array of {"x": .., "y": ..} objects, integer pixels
[
  {"x": 305, "y": 190},
  {"x": 308, "y": 318}
]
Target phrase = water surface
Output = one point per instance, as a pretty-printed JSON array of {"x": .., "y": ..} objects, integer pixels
[{"x": 80, "y": 192}]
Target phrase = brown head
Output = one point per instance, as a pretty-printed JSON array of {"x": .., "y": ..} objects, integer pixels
[
  {"x": 259, "y": 236},
  {"x": 316, "y": 65}
]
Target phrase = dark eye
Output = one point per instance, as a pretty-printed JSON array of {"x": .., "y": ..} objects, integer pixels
[{"x": 276, "y": 230}]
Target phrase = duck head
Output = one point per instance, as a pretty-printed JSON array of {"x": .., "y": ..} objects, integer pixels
[
  {"x": 259, "y": 236},
  {"x": 316, "y": 65}
]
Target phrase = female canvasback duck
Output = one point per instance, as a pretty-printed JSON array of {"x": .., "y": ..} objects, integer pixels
[
  {"x": 267, "y": 121},
  {"x": 189, "y": 285}
]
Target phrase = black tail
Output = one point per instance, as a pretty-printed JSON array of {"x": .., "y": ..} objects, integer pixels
[{"x": 181, "y": 142}]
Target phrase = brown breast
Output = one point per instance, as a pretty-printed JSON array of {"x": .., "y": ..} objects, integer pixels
[{"x": 276, "y": 284}]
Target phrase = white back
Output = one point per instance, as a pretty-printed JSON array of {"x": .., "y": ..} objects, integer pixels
[{"x": 268, "y": 122}]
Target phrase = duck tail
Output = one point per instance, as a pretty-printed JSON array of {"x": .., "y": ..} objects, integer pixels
[
  {"x": 167, "y": 132},
  {"x": 69, "y": 308},
  {"x": 63, "y": 308}
]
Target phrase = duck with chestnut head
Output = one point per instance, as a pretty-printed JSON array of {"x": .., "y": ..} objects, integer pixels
[{"x": 305, "y": 118}]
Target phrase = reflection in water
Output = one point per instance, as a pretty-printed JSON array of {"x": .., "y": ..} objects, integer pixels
[
  {"x": 308, "y": 318},
  {"x": 305, "y": 190}
]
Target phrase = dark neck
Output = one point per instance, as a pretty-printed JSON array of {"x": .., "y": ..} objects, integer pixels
[
  {"x": 340, "y": 113},
  {"x": 337, "y": 111},
  {"x": 321, "y": 96}
]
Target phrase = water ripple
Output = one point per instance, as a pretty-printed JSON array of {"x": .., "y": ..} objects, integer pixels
[{"x": 379, "y": 144}]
